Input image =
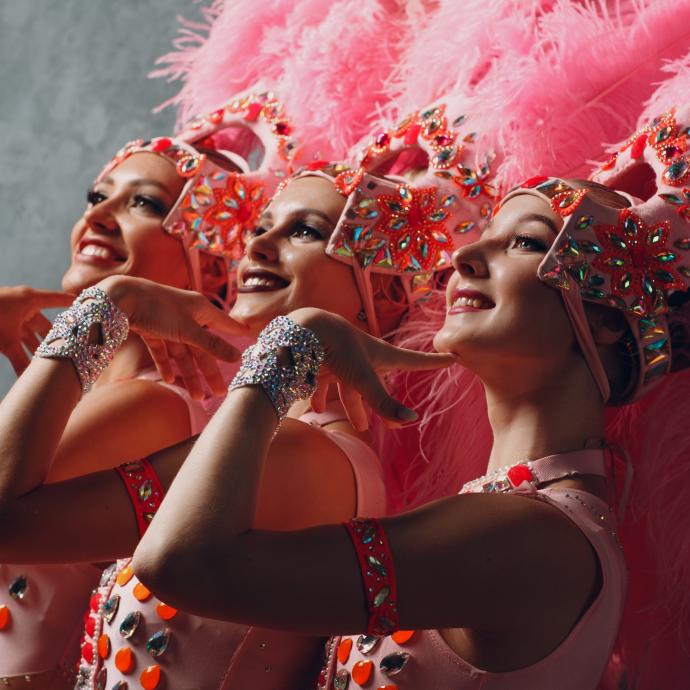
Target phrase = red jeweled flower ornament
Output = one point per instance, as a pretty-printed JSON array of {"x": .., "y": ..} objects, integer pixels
[
  {"x": 415, "y": 222},
  {"x": 641, "y": 267}
]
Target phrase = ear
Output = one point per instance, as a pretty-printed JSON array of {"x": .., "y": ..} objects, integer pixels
[{"x": 608, "y": 324}]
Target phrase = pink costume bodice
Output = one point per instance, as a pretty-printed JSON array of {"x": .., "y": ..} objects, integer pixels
[
  {"x": 422, "y": 658},
  {"x": 45, "y": 618},
  {"x": 202, "y": 653}
]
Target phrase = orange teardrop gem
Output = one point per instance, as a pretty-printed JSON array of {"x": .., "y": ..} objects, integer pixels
[
  {"x": 124, "y": 660},
  {"x": 361, "y": 672},
  {"x": 150, "y": 677},
  {"x": 141, "y": 592},
  {"x": 5, "y": 617},
  {"x": 104, "y": 646},
  {"x": 166, "y": 612},
  {"x": 344, "y": 649},
  {"x": 402, "y": 636},
  {"x": 125, "y": 575}
]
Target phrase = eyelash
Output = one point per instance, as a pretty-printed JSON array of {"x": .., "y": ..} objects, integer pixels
[
  {"x": 533, "y": 242},
  {"x": 294, "y": 231},
  {"x": 93, "y": 197}
]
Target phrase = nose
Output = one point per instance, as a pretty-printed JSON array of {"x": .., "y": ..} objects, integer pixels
[
  {"x": 469, "y": 261},
  {"x": 262, "y": 245},
  {"x": 100, "y": 217}
]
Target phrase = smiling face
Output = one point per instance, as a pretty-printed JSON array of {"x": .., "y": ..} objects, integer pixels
[
  {"x": 121, "y": 231},
  {"x": 500, "y": 316},
  {"x": 286, "y": 266}
]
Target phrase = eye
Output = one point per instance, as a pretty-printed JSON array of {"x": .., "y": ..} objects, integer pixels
[
  {"x": 257, "y": 231},
  {"x": 528, "y": 243},
  {"x": 93, "y": 197},
  {"x": 149, "y": 203},
  {"x": 304, "y": 231}
]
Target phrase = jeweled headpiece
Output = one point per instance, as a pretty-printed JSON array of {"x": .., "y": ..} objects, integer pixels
[
  {"x": 222, "y": 199},
  {"x": 631, "y": 259},
  {"x": 433, "y": 197}
]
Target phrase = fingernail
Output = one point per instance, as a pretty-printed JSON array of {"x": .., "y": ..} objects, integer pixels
[{"x": 406, "y": 414}]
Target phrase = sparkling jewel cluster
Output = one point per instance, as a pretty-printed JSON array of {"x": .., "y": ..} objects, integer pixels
[
  {"x": 284, "y": 384},
  {"x": 72, "y": 332},
  {"x": 99, "y": 640}
]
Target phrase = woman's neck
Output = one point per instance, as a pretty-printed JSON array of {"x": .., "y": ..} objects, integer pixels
[
  {"x": 559, "y": 414},
  {"x": 132, "y": 357}
]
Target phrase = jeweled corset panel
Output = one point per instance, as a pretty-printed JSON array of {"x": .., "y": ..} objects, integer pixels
[
  {"x": 133, "y": 640},
  {"x": 41, "y": 610}
]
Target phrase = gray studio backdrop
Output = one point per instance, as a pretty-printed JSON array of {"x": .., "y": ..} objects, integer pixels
[{"x": 73, "y": 89}]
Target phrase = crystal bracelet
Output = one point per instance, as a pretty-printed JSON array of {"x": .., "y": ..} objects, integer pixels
[
  {"x": 70, "y": 335},
  {"x": 282, "y": 383}
]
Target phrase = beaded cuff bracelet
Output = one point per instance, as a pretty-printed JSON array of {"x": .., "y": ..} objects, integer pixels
[
  {"x": 69, "y": 337},
  {"x": 282, "y": 384},
  {"x": 145, "y": 490}
]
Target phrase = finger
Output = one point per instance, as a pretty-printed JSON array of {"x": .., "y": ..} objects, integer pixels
[
  {"x": 385, "y": 356},
  {"x": 202, "y": 339},
  {"x": 217, "y": 319},
  {"x": 354, "y": 407},
  {"x": 159, "y": 354},
  {"x": 30, "y": 340},
  {"x": 38, "y": 323},
  {"x": 18, "y": 359},
  {"x": 320, "y": 396},
  {"x": 368, "y": 384},
  {"x": 47, "y": 299},
  {"x": 184, "y": 361},
  {"x": 208, "y": 367}
]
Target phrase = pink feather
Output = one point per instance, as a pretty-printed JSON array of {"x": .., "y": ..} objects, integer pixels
[
  {"x": 675, "y": 89},
  {"x": 327, "y": 61},
  {"x": 580, "y": 88}
]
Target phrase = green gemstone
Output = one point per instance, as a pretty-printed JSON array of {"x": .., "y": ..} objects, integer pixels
[{"x": 157, "y": 644}]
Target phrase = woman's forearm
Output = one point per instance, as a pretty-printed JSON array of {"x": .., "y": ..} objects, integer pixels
[
  {"x": 33, "y": 416},
  {"x": 221, "y": 476}
]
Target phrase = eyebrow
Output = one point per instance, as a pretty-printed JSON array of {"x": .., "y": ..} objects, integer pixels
[
  {"x": 539, "y": 218},
  {"x": 139, "y": 182},
  {"x": 267, "y": 215}
]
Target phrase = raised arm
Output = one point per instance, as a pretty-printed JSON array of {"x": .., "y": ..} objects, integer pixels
[{"x": 452, "y": 557}]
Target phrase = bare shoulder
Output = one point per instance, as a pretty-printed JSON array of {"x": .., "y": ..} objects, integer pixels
[
  {"x": 123, "y": 420},
  {"x": 310, "y": 474}
]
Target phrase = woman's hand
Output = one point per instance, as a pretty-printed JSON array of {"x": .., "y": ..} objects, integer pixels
[
  {"x": 175, "y": 325},
  {"x": 21, "y": 321},
  {"x": 355, "y": 359}
]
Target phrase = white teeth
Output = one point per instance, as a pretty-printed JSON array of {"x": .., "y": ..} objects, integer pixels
[
  {"x": 257, "y": 281},
  {"x": 472, "y": 302},
  {"x": 97, "y": 250}
]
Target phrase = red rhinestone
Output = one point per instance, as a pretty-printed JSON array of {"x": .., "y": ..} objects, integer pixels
[
  {"x": 90, "y": 626},
  {"x": 281, "y": 128},
  {"x": 95, "y": 602},
  {"x": 519, "y": 474},
  {"x": 443, "y": 140},
  {"x": 412, "y": 134},
  {"x": 161, "y": 144},
  {"x": 534, "y": 181},
  {"x": 382, "y": 140},
  {"x": 87, "y": 652},
  {"x": 638, "y": 146},
  {"x": 216, "y": 116},
  {"x": 253, "y": 111}
]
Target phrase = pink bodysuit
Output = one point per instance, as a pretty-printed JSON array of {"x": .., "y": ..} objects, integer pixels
[
  {"x": 422, "y": 660},
  {"x": 201, "y": 653},
  {"x": 45, "y": 604}
]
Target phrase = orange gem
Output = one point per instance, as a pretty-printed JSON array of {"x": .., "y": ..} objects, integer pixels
[
  {"x": 344, "y": 649},
  {"x": 104, "y": 646},
  {"x": 141, "y": 592},
  {"x": 361, "y": 672},
  {"x": 402, "y": 636},
  {"x": 125, "y": 575},
  {"x": 5, "y": 617},
  {"x": 150, "y": 677},
  {"x": 124, "y": 660},
  {"x": 166, "y": 612}
]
